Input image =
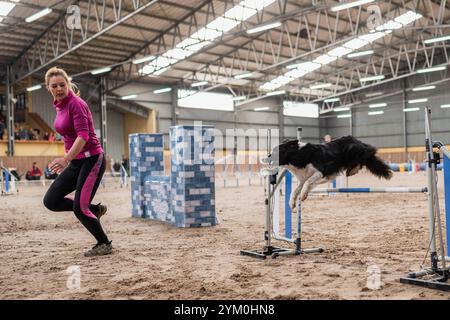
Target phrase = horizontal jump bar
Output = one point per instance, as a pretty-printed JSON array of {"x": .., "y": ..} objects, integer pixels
[{"x": 372, "y": 190}]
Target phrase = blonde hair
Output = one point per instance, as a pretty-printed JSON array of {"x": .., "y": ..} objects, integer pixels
[{"x": 55, "y": 71}]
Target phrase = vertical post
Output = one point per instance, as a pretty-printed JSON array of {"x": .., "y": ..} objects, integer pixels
[
  {"x": 267, "y": 232},
  {"x": 281, "y": 121},
  {"x": 103, "y": 119},
  {"x": 236, "y": 170},
  {"x": 430, "y": 176},
  {"x": 405, "y": 133},
  {"x": 447, "y": 200},
  {"x": 287, "y": 209},
  {"x": 7, "y": 180},
  {"x": 351, "y": 121},
  {"x": 433, "y": 199},
  {"x": 10, "y": 110},
  {"x": 174, "y": 105},
  {"x": 299, "y": 134},
  {"x": 158, "y": 121}
]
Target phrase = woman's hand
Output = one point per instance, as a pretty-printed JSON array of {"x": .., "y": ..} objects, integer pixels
[{"x": 58, "y": 165}]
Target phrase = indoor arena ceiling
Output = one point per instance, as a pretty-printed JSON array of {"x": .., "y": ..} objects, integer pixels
[{"x": 310, "y": 50}]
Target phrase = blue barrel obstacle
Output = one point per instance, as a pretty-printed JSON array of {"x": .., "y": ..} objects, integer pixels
[{"x": 186, "y": 197}]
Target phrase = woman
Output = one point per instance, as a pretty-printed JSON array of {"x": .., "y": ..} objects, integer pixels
[{"x": 82, "y": 167}]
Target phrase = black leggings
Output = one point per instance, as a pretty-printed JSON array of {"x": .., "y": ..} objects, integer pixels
[{"x": 84, "y": 176}]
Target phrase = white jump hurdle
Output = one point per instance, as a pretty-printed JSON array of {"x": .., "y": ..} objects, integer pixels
[
  {"x": 8, "y": 181},
  {"x": 371, "y": 190},
  {"x": 274, "y": 181}
]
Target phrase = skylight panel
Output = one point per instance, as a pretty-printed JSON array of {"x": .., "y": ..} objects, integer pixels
[
  {"x": 339, "y": 52},
  {"x": 203, "y": 37},
  {"x": 408, "y": 17},
  {"x": 5, "y": 8},
  {"x": 371, "y": 37},
  {"x": 325, "y": 59},
  {"x": 390, "y": 25},
  {"x": 350, "y": 46},
  {"x": 222, "y": 24},
  {"x": 240, "y": 13},
  {"x": 256, "y": 4},
  {"x": 355, "y": 44}
]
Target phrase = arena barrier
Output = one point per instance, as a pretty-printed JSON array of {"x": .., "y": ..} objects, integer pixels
[
  {"x": 411, "y": 166},
  {"x": 8, "y": 182},
  {"x": 234, "y": 178},
  {"x": 185, "y": 198}
]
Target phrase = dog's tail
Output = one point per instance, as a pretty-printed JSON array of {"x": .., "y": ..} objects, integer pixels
[{"x": 378, "y": 167}]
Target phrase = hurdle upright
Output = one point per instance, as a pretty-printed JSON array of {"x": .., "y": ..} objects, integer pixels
[
  {"x": 7, "y": 181},
  {"x": 435, "y": 277}
]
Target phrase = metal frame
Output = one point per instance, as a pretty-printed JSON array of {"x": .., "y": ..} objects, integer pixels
[
  {"x": 435, "y": 277},
  {"x": 58, "y": 40},
  {"x": 103, "y": 113},
  {"x": 10, "y": 110},
  {"x": 305, "y": 32}
]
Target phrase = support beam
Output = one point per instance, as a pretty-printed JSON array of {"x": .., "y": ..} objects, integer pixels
[
  {"x": 10, "y": 110},
  {"x": 174, "y": 105},
  {"x": 61, "y": 39},
  {"x": 281, "y": 119},
  {"x": 405, "y": 132},
  {"x": 103, "y": 114}
]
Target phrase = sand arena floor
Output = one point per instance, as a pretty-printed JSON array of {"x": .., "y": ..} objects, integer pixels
[{"x": 153, "y": 260}]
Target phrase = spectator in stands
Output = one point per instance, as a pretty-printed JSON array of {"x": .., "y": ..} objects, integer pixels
[
  {"x": 327, "y": 139},
  {"x": 16, "y": 132},
  {"x": 34, "y": 135},
  {"x": 34, "y": 173},
  {"x": 23, "y": 133},
  {"x": 45, "y": 136},
  {"x": 51, "y": 137}
]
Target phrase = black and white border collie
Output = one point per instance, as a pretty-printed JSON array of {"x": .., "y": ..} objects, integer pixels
[{"x": 313, "y": 164}]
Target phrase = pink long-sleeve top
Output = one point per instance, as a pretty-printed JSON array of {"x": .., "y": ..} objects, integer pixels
[{"x": 74, "y": 119}]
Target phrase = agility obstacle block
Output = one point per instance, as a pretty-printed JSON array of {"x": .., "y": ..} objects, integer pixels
[
  {"x": 146, "y": 159},
  {"x": 185, "y": 198}
]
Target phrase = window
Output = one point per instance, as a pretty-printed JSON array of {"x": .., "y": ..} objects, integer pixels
[
  {"x": 299, "y": 109},
  {"x": 208, "y": 100}
]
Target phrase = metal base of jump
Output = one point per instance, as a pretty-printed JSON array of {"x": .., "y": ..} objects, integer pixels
[
  {"x": 274, "y": 252},
  {"x": 272, "y": 191},
  {"x": 432, "y": 279}
]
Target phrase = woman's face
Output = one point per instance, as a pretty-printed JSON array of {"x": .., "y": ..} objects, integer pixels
[{"x": 58, "y": 87}]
